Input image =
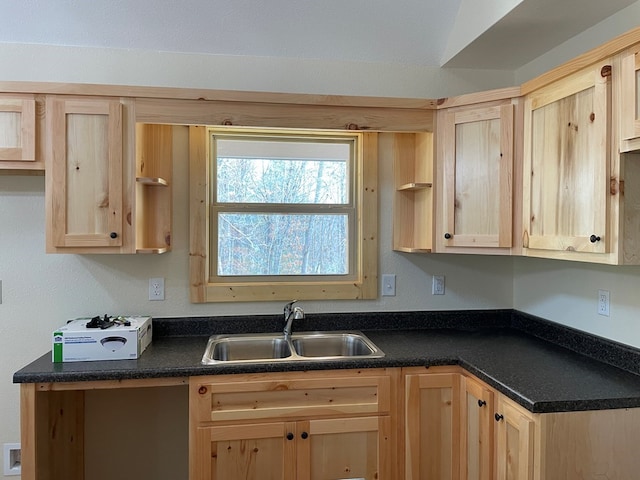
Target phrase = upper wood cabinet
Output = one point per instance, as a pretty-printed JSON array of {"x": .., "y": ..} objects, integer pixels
[
  {"x": 85, "y": 180},
  {"x": 568, "y": 196},
  {"x": 153, "y": 211},
  {"x": 475, "y": 164},
  {"x": 104, "y": 192},
  {"x": 629, "y": 81},
  {"x": 19, "y": 128},
  {"x": 412, "y": 155},
  {"x": 579, "y": 191}
]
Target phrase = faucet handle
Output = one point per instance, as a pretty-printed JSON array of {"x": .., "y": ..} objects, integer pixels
[{"x": 288, "y": 309}]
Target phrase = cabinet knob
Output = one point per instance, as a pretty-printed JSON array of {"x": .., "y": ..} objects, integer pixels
[
  {"x": 113, "y": 235},
  {"x": 594, "y": 239},
  {"x": 481, "y": 403},
  {"x": 304, "y": 435},
  {"x": 289, "y": 436},
  {"x": 498, "y": 417},
  {"x": 447, "y": 236}
]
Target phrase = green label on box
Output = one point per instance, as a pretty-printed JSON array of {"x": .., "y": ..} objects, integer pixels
[{"x": 57, "y": 347}]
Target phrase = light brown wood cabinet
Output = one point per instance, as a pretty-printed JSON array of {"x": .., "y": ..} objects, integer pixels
[
  {"x": 104, "y": 193},
  {"x": 303, "y": 426},
  {"x": 85, "y": 184},
  {"x": 432, "y": 424},
  {"x": 21, "y": 118},
  {"x": 514, "y": 441},
  {"x": 477, "y": 439},
  {"x": 579, "y": 200},
  {"x": 475, "y": 164},
  {"x": 629, "y": 81},
  {"x": 412, "y": 155}
]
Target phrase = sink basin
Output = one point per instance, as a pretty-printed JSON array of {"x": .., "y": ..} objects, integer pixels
[
  {"x": 246, "y": 348},
  {"x": 275, "y": 347},
  {"x": 333, "y": 345}
]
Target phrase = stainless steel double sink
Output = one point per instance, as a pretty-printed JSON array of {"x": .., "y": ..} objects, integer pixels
[{"x": 275, "y": 347}]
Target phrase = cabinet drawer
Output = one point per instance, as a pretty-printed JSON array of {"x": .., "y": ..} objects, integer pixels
[{"x": 291, "y": 396}]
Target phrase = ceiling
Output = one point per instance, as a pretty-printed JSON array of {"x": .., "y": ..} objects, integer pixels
[{"x": 499, "y": 34}]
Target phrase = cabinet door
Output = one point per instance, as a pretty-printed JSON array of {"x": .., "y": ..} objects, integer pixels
[
  {"x": 477, "y": 431},
  {"x": 85, "y": 165},
  {"x": 344, "y": 448},
  {"x": 566, "y": 171},
  {"x": 629, "y": 98},
  {"x": 432, "y": 426},
  {"x": 477, "y": 162},
  {"x": 248, "y": 452},
  {"x": 17, "y": 129},
  {"x": 514, "y": 442}
]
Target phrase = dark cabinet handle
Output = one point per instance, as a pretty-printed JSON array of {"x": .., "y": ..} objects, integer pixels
[
  {"x": 481, "y": 403},
  {"x": 113, "y": 235},
  {"x": 289, "y": 436},
  {"x": 498, "y": 417},
  {"x": 304, "y": 435},
  {"x": 447, "y": 236},
  {"x": 594, "y": 239}
]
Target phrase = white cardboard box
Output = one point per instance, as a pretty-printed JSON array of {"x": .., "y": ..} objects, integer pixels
[{"x": 74, "y": 342}]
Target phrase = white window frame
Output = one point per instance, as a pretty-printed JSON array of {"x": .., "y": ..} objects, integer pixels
[{"x": 359, "y": 284}]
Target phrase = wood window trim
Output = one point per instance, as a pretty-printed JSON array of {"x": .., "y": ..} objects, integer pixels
[{"x": 203, "y": 291}]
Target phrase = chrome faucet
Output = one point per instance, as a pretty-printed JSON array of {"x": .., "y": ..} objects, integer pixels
[{"x": 291, "y": 313}]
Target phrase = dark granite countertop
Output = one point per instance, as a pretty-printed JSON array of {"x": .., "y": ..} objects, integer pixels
[{"x": 543, "y": 366}]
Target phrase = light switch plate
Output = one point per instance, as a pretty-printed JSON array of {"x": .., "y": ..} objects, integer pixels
[{"x": 388, "y": 285}]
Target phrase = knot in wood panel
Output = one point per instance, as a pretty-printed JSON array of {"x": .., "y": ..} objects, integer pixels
[
  {"x": 613, "y": 186},
  {"x": 605, "y": 71}
]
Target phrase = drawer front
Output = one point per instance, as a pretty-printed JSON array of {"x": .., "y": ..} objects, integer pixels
[{"x": 282, "y": 396}]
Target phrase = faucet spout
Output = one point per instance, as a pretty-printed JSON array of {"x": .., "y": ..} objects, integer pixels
[{"x": 291, "y": 314}]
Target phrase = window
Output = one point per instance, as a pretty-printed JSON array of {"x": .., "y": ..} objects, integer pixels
[{"x": 278, "y": 215}]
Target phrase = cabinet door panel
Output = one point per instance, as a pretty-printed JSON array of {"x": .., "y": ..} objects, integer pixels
[
  {"x": 568, "y": 163},
  {"x": 514, "y": 444},
  {"x": 248, "y": 452},
  {"x": 630, "y": 104},
  {"x": 432, "y": 420},
  {"x": 346, "y": 448},
  {"x": 477, "y": 163},
  {"x": 17, "y": 130},
  {"x": 86, "y": 168},
  {"x": 477, "y": 451}
]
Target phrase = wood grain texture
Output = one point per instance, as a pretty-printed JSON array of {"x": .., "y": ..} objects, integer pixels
[
  {"x": 85, "y": 162},
  {"x": 475, "y": 161},
  {"x": 412, "y": 156},
  {"x": 477, "y": 440},
  {"x": 432, "y": 426},
  {"x": 567, "y": 164},
  {"x": 362, "y": 283},
  {"x": 153, "y": 206}
]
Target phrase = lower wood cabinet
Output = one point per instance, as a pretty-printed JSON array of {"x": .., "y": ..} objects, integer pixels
[
  {"x": 458, "y": 428},
  {"x": 432, "y": 425},
  {"x": 297, "y": 426},
  {"x": 514, "y": 441},
  {"x": 477, "y": 423},
  {"x": 417, "y": 423}
]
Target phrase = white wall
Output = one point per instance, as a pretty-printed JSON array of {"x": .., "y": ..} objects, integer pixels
[
  {"x": 267, "y": 74},
  {"x": 566, "y": 292},
  {"x": 40, "y": 292}
]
